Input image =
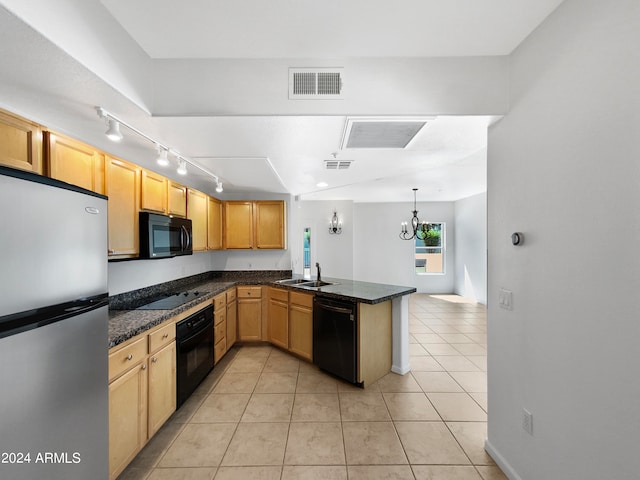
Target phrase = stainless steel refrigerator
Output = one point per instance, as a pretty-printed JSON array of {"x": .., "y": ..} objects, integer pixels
[{"x": 53, "y": 330}]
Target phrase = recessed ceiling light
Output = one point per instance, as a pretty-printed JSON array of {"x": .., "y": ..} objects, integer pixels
[{"x": 322, "y": 184}]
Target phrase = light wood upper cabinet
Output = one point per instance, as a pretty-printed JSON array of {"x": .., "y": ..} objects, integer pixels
[
  {"x": 269, "y": 224},
  {"x": 177, "y": 199},
  {"x": 254, "y": 225},
  {"x": 123, "y": 190},
  {"x": 197, "y": 212},
  {"x": 153, "y": 192},
  {"x": 20, "y": 143},
  {"x": 74, "y": 162},
  {"x": 238, "y": 225},
  {"x": 214, "y": 224}
]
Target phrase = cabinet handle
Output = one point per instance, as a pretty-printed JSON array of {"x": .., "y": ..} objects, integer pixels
[
  {"x": 166, "y": 335},
  {"x": 155, "y": 359},
  {"x": 144, "y": 366},
  {"x": 129, "y": 357},
  {"x": 111, "y": 251}
]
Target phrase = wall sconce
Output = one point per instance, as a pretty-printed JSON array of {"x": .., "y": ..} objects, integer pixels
[{"x": 335, "y": 226}]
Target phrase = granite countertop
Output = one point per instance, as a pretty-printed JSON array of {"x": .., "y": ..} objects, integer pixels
[
  {"x": 126, "y": 323},
  {"x": 353, "y": 290}
]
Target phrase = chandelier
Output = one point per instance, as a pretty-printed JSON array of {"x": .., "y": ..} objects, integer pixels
[{"x": 419, "y": 230}]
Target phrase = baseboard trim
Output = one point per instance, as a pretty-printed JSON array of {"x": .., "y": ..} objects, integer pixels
[
  {"x": 500, "y": 460},
  {"x": 400, "y": 371}
]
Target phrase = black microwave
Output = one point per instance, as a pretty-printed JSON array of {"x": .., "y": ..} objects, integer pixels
[{"x": 162, "y": 236}]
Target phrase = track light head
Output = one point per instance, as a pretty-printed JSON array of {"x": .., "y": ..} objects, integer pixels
[
  {"x": 113, "y": 132},
  {"x": 162, "y": 159},
  {"x": 182, "y": 168},
  {"x": 219, "y": 186}
]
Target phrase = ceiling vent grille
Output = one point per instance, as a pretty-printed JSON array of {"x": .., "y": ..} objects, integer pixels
[
  {"x": 315, "y": 83},
  {"x": 337, "y": 164}
]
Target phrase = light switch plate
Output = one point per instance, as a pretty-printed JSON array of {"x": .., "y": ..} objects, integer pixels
[{"x": 505, "y": 299}]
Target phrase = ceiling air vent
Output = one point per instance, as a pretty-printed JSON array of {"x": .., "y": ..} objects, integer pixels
[
  {"x": 337, "y": 164},
  {"x": 381, "y": 132},
  {"x": 315, "y": 83}
]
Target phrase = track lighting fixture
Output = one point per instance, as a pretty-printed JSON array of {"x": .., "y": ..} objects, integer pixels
[
  {"x": 162, "y": 159},
  {"x": 113, "y": 133}
]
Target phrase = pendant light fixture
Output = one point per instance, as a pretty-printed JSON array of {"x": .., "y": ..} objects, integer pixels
[{"x": 418, "y": 230}]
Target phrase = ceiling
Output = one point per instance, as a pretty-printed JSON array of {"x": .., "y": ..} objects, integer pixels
[{"x": 279, "y": 152}]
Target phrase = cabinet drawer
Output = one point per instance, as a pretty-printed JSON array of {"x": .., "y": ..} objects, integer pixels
[
  {"x": 127, "y": 357},
  {"x": 231, "y": 295},
  {"x": 279, "y": 294},
  {"x": 219, "y": 301},
  {"x": 219, "y": 350},
  {"x": 219, "y": 332},
  {"x": 304, "y": 299},
  {"x": 219, "y": 316},
  {"x": 249, "y": 292},
  {"x": 162, "y": 337}
]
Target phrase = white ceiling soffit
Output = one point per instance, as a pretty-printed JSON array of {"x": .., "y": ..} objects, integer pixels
[
  {"x": 381, "y": 132},
  {"x": 244, "y": 174},
  {"x": 299, "y": 29}
]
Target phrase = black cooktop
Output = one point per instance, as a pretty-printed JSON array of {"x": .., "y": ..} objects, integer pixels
[{"x": 171, "y": 300}]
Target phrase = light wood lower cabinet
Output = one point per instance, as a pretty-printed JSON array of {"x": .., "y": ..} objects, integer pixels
[
  {"x": 249, "y": 313},
  {"x": 220, "y": 326},
  {"x": 142, "y": 392},
  {"x": 301, "y": 324},
  {"x": 232, "y": 318},
  {"x": 162, "y": 386},
  {"x": 279, "y": 317}
]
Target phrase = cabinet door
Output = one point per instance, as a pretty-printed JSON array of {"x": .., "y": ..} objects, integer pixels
[
  {"x": 74, "y": 162},
  {"x": 269, "y": 224},
  {"x": 301, "y": 331},
  {"x": 279, "y": 323},
  {"x": 123, "y": 190},
  {"x": 250, "y": 319},
  {"x": 127, "y": 418},
  {"x": 153, "y": 192},
  {"x": 238, "y": 225},
  {"x": 232, "y": 323},
  {"x": 214, "y": 224},
  {"x": 162, "y": 387},
  {"x": 20, "y": 143},
  {"x": 197, "y": 212},
  {"x": 177, "y": 199}
]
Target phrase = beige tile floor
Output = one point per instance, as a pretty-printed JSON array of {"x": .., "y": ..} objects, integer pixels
[{"x": 263, "y": 414}]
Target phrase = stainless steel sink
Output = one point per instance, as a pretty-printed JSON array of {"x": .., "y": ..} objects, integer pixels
[
  {"x": 292, "y": 281},
  {"x": 304, "y": 283},
  {"x": 315, "y": 284}
]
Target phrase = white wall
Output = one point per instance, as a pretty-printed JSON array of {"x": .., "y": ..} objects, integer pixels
[
  {"x": 381, "y": 256},
  {"x": 333, "y": 252},
  {"x": 564, "y": 168},
  {"x": 471, "y": 247}
]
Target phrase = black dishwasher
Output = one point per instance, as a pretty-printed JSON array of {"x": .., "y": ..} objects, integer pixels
[{"x": 334, "y": 337}]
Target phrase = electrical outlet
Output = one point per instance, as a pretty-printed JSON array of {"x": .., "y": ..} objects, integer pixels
[
  {"x": 527, "y": 421},
  {"x": 505, "y": 299}
]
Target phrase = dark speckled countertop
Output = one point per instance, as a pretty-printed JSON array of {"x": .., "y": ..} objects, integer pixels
[{"x": 125, "y": 322}]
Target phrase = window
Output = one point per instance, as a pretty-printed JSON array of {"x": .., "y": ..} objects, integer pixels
[
  {"x": 429, "y": 257},
  {"x": 306, "y": 253}
]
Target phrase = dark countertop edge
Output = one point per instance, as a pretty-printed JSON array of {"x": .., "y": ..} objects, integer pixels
[{"x": 139, "y": 321}]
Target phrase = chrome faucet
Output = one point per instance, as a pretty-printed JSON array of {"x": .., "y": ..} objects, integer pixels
[{"x": 318, "y": 267}]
